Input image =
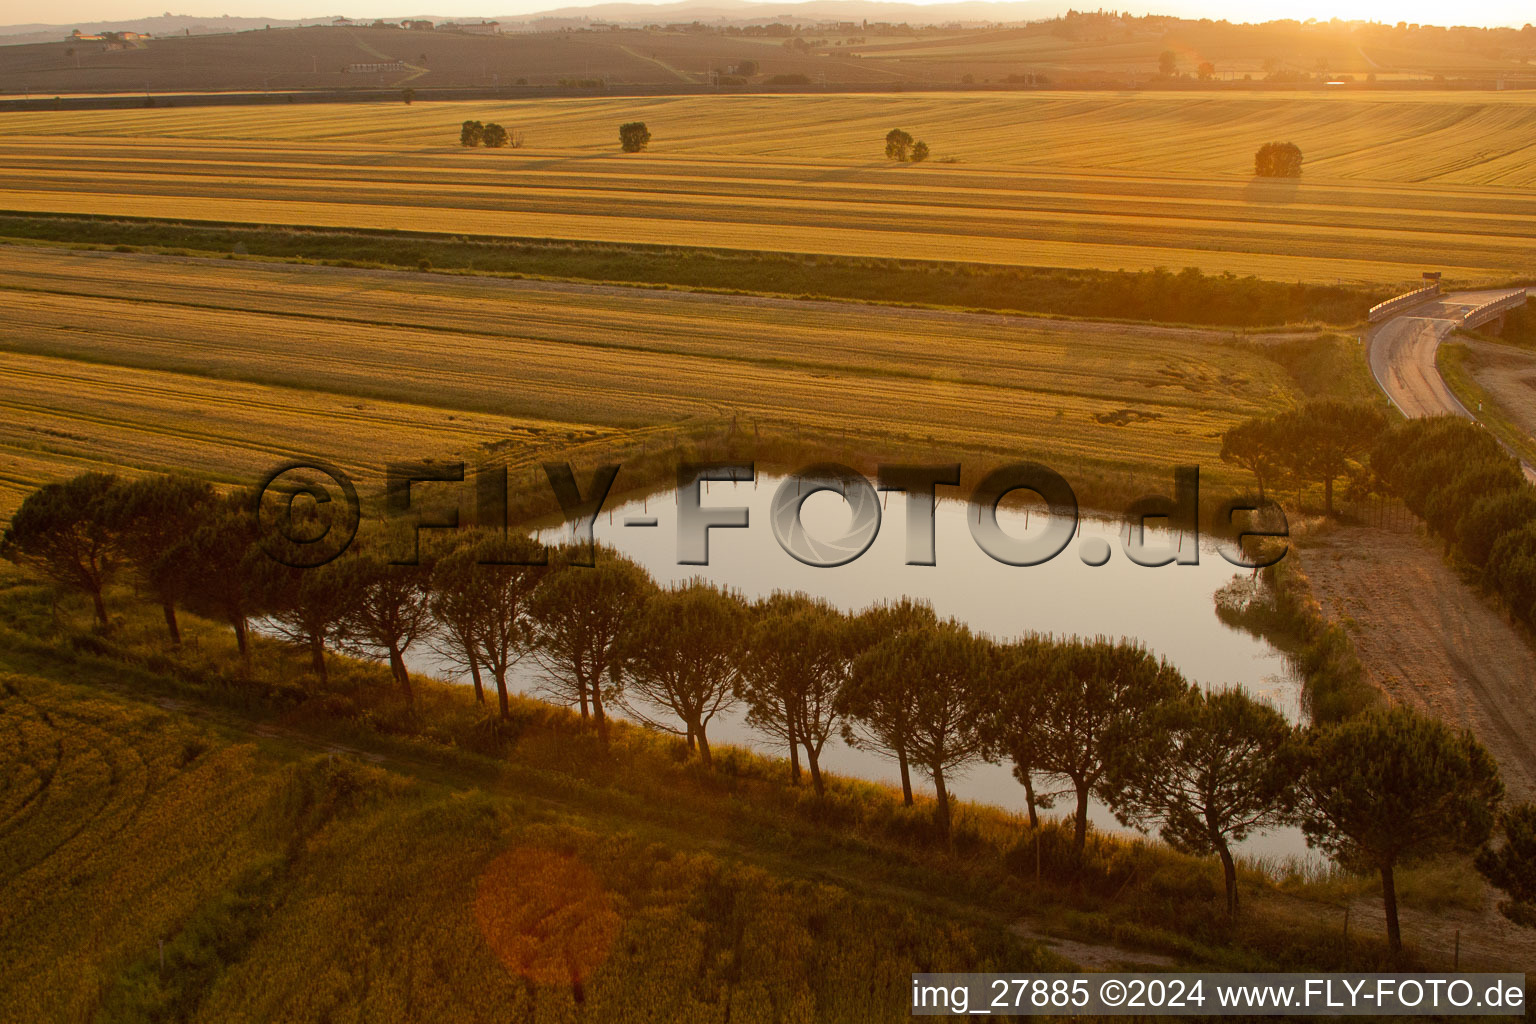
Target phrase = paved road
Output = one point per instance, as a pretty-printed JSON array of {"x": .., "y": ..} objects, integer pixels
[
  {"x": 1402, "y": 356},
  {"x": 1402, "y": 353}
]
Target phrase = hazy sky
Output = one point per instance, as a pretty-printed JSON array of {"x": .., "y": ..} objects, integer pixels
[{"x": 1469, "y": 12}]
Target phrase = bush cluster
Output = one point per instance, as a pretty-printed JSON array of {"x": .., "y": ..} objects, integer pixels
[{"x": 1473, "y": 495}]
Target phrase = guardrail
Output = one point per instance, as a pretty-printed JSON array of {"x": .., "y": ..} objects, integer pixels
[
  {"x": 1493, "y": 308},
  {"x": 1382, "y": 310}
]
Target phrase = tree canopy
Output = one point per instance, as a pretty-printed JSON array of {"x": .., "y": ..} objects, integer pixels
[
  {"x": 1278, "y": 160},
  {"x": 1390, "y": 787},
  {"x": 634, "y": 136}
]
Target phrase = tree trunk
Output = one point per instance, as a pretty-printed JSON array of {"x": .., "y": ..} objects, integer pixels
[
  {"x": 692, "y": 744},
  {"x": 101, "y": 611},
  {"x": 242, "y": 642},
  {"x": 704, "y": 757},
  {"x": 474, "y": 675},
  {"x": 581, "y": 689},
  {"x": 169, "y": 608},
  {"x": 941, "y": 805},
  {"x": 794, "y": 760},
  {"x": 598, "y": 714},
  {"x": 397, "y": 666},
  {"x": 317, "y": 658},
  {"x": 1229, "y": 874},
  {"x": 1389, "y": 901},
  {"x": 1080, "y": 824},
  {"x": 906, "y": 777},
  {"x": 1029, "y": 794},
  {"x": 815, "y": 764},
  {"x": 503, "y": 702}
]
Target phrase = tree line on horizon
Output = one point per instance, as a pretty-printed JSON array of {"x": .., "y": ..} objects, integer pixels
[{"x": 1099, "y": 718}]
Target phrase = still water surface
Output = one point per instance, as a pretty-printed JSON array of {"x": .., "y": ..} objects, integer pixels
[{"x": 1168, "y": 609}]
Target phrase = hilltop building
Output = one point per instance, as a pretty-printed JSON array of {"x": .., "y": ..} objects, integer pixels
[{"x": 485, "y": 28}]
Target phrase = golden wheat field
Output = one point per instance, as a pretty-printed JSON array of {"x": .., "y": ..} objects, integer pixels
[
  {"x": 151, "y": 362},
  {"x": 1392, "y": 181},
  {"x": 161, "y": 866}
]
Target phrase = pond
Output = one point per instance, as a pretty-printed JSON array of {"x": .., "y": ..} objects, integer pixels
[{"x": 1169, "y": 609}]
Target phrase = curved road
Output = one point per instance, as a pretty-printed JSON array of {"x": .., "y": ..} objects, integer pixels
[{"x": 1402, "y": 355}]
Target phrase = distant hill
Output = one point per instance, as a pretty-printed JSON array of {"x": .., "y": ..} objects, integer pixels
[
  {"x": 1077, "y": 50},
  {"x": 967, "y": 12},
  {"x": 739, "y": 12},
  {"x": 162, "y": 25}
]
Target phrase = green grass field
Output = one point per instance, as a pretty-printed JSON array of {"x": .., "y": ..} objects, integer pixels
[{"x": 1042, "y": 179}]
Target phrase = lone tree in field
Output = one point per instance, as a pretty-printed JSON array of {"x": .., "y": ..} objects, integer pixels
[
  {"x": 1205, "y": 71},
  {"x": 495, "y": 136},
  {"x": 1512, "y": 865},
  {"x": 408, "y": 95},
  {"x": 65, "y": 532},
  {"x": 1390, "y": 787},
  {"x": 1278, "y": 160},
  {"x": 579, "y": 620},
  {"x": 1167, "y": 63},
  {"x": 471, "y": 133},
  {"x": 151, "y": 516},
  {"x": 898, "y": 145},
  {"x": 877, "y": 709},
  {"x": 682, "y": 655},
  {"x": 1098, "y": 697},
  {"x": 919, "y": 151},
  {"x": 634, "y": 136},
  {"x": 948, "y": 670},
  {"x": 1210, "y": 770}
]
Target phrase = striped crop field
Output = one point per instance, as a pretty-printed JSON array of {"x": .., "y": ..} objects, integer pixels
[
  {"x": 137, "y": 362},
  {"x": 1393, "y": 181}
]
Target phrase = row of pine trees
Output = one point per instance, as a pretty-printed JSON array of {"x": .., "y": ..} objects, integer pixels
[{"x": 1079, "y": 718}]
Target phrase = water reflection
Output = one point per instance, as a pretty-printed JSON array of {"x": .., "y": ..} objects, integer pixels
[{"x": 1168, "y": 609}]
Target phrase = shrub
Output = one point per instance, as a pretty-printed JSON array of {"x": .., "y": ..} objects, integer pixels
[{"x": 1278, "y": 160}]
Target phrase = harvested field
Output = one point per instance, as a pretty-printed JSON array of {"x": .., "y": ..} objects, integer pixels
[
  {"x": 1042, "y": 179},
  {"x": 151, "y": 362}
]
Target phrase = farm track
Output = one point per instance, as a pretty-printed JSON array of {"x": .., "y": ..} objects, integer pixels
[
  {"x": 1081, "y": 188},
  {"x": 148, "y": 362}
]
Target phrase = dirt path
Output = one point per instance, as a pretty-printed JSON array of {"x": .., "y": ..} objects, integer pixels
[
  {"x": 1508, "y": 374},
  {"x": 1094, "y": 956},
  {"x": 1428, "y": 640}
]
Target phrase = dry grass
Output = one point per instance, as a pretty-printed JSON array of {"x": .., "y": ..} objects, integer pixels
[
  {"x": 1045, "y": 179},
  {"x": 152, "y": 362}
]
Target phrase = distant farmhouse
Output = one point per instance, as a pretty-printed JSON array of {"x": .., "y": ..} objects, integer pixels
[
  {"x": 416, "y": 25},
  {"x": 383, "y": 66},
  {"x": 485, "y": 28},
  {"x": 109, "y": 40}
]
